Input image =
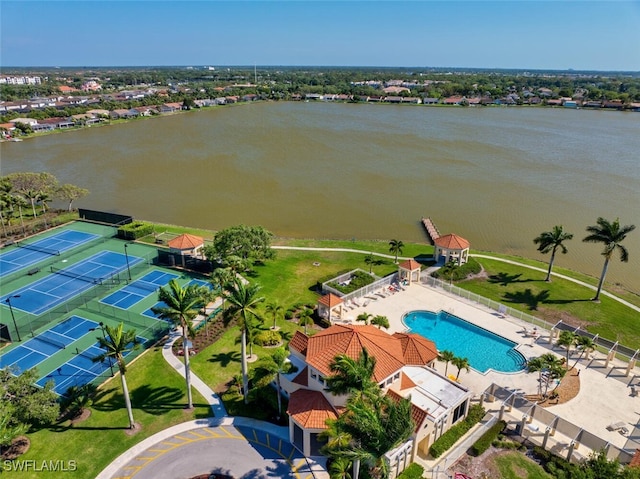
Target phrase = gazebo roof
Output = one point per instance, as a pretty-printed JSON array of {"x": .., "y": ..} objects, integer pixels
[
  {"x": 410, "y": 264},
  {"x": 330, "y": 300},
  {"x": 452, "y": 241},
  {"x": 310, "y": 409},
  {"x": 186, "y": 241}
]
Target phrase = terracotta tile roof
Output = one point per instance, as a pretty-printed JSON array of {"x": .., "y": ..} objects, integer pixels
[
  {"x": 330, "y": 300},
  {"x": 417, "y": 414},
  {"x": 302, "y": 378},
  {"x": 452, "y": 241},
  {"x": 186, "y": 241},
  {"x": 635, "y": 461},
  {"x": 417, "y": 350},
  {"x": 406, "y": 382},
  {"x": 350, "y": 340},
  {"x": 310, "y": 409},
  {"x": 410, "y": 264},
  {"x": 299, "y": 342}
]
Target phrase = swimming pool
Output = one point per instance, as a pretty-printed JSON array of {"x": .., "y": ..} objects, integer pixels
[{"x": 484, "y": 349}]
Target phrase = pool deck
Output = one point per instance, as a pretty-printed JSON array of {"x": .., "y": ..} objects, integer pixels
[{"x": 605, "y": 393}]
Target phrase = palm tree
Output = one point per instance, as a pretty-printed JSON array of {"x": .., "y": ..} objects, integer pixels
[
  {"x": 32, "y": 196},
  {"x": 550, "y": 241},
  {"x": 585, "y": 345},
  {"x": 395, "y": 247},
  {"x": 364, "y": 317},
  {"x": 549, "y": 364},
  {"x": 351, "y": 376},
  {"x": 567, "y": 339},
  {"x": 460, "y": 363},
  {"x": 275, "y": 310},
  {"x": 116, "y": 342},
  {"x": 78, "y": 398},
  {"x": 340, "y": 468},
  {"x": 182, "y": 305},
  {"x": 369, "y": 260},
  {"x": 446, "y": 357},
  {"x": 271, "y": 367},
  {"x": 380, "y": 321},
  {"x": 305, "y": 319},
  {"x": 243, "y": 301},
  {"x": 611, "y": 234},
  {"x": 220, "y": 277}
]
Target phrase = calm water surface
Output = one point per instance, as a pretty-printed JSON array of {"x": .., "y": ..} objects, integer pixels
[{"x": 497, "y": 176}]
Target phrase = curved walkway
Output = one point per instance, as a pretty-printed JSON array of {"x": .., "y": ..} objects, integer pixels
[
  {"x": 382, "y": 255},
  {"x": 237, "y": 446}
]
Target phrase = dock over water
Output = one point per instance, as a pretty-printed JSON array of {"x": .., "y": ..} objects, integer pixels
[{"x": 431, "y": 229}]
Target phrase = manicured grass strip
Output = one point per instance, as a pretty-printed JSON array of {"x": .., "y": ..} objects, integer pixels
[
  {"x": 527, "y": 291},
  {"x": 158, "y": 397},
  {"x": 515, "y": 465}
]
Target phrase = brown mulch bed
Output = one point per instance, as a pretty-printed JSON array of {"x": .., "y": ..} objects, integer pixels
[
  {"x": 18, "y": 447},
  {"x": 568, "y": 389},
  {"x": 83, "y": 416}
]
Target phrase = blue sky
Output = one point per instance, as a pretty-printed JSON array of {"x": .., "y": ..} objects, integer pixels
[{"x": 559, "y": 34}]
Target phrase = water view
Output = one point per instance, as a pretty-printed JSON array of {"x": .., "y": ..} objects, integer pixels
[{"x": 496, "y": 176}]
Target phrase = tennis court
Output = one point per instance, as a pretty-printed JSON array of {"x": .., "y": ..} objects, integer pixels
[
  {"x": 47, "y": 343},
  {"x": 27, "y": 254},
  {"x": 160, "y": 304},
  {"x": 64, "y": 284},
  {"x": 138, "y": 290},
  {"x": 81, "y": 369}
]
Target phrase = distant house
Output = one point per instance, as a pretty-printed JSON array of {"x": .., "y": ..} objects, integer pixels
[
  {"x": 453, "y": 100},
  {"x": 430, "y": 101},
  {"x": 170, "y": 107},
  {"x": 395, "y": 89},
  {"x": 313, "y": 96},
  {"x": 570, "y": 104},
  {"x": 123, "y": 114}
]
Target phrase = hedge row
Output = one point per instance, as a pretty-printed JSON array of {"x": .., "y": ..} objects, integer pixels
[
  {"x": 135, "y": 230},
  {"x": 414, "y": 471},
  {"x": 482, "y": 444},
  {"x": 449, "y": 438},
  {"x": 359, "y": 279}
]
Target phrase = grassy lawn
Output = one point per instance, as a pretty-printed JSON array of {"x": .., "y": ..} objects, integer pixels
[
  {"x": 526, "y": 290},
  {"x": 158, "y": 397},
  {"x": 514, "y": 465}
]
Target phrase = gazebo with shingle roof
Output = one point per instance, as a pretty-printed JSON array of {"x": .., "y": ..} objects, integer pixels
[
  {"x": 186, "y": 244},
  {"x": 327, "y": 304},
  {"x": 451, "y": 247},
  {"x": 409, "y": 271}
]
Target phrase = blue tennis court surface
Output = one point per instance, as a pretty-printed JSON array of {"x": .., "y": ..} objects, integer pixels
[
  {"x": 138, "y": 290},
  {"x": 81, "y": 369},
  {"x": 160, "y": 304},
  {"x": 27, "y": 254},
  {"x": 200, "y": 282},
  {"x": 47, "y": 343},
  {"x": 57, "y": 288}
]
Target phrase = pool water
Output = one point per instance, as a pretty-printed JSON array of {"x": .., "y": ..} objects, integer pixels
[{"x": 484, "y": 349}]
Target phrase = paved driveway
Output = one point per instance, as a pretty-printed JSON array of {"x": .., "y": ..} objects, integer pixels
[{"x": 238, "y": 450}]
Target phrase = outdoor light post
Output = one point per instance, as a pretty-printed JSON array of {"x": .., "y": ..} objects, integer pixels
[
  {"x": 127, "y": 258},
  {"x": 15, "y": 325}
]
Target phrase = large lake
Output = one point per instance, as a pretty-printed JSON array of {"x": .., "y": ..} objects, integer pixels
[{"x": 496, "y": 176}]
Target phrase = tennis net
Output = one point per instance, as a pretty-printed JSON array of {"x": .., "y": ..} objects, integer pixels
[
  {"x": 145, "y": 285},
  {"x": 44, "y": 337},
  {"x": 41, "y": 249},
  {"x": 71, "y": 274}
]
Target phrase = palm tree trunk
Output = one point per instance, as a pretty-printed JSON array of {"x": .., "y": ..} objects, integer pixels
[
  {"x": 187, "y": 367},
  {"x": 127, "y": 401},
  {"x": 356, "y": 468},
  {"x": 245, "y": 376},
  {"x": 601, "y": 281},
  {"x": 553, "y": 257},
  {"x": 4, "y": 228},
  {"x": 33, "y": 207}
]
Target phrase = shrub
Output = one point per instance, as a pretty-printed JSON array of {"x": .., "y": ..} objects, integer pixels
[
  {"x": 359, "y": 279},
  {"x": 268, "y": 338},
  {"x": 451, "y": 271},
  {"x": 414, "y": 471},
  {"x": 288, "y": 314},
  {"x": 135, "y": 230},
  {"x": 449, "y": 438},
  {"x": 482, "y": 444}
]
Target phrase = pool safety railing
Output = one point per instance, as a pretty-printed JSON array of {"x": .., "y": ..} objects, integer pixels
[{"x": 610, "y": 348}]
